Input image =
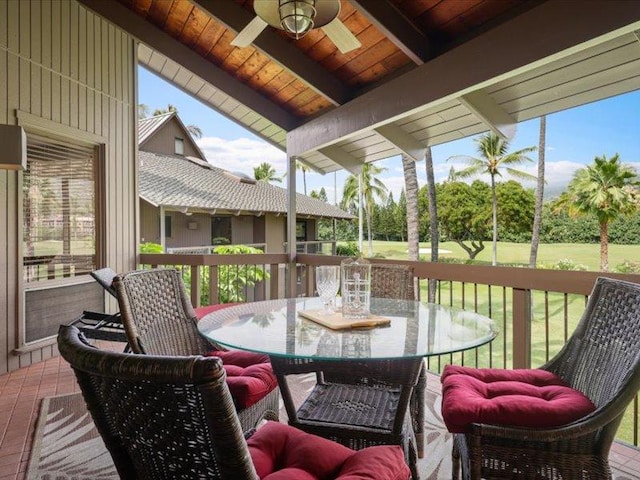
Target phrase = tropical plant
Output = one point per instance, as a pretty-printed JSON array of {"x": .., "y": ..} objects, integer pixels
[
  {"x": 494, "y": 156},
  {"x": 149, "y": 247},
  {"x": 233, "y": 280},
  {"x": 362, "y": 192},
  {"x": 266, "y": 173},
  {"x": 537, "y": 215},
  {"x": 607, "y": 189},
  {"x": 411, "y": 185},
  {"x": 432, "y": 208},
  {"x": 304, "y": 169}
]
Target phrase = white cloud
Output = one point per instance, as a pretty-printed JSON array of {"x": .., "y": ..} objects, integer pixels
[{"x": 242, "y": 154}]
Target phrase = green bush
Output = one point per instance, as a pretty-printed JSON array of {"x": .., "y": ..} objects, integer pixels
[
  {"x": 565, "y": 264},
  {"x": 628, "y": 266},
  {"x": 220, "y": 241},
  {"x": 149, "y": 247},
  {"x": 348, "y": 250}
]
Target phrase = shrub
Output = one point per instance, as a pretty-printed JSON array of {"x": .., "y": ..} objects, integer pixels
[
  {"x": 628, "y": 266},
  {"x": 149, "y": 247},
  {"x": 348, "y": 250},
  {"x": 220, "y": 241},
  {"x": 565, "y": 264}
]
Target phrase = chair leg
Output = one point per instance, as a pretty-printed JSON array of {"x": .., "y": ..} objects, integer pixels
[
  {"x": 416, "y": 408},
  {"x": 455, "y": 461}
]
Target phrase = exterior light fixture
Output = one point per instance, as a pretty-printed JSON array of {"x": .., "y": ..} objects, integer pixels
[
  {"x": 297, "y": 16},
  {"x": 13, "y": 148}
]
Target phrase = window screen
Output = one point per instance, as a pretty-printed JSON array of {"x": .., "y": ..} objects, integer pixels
[
  {"x": 59, "y": 229},
  {"x": 179, "y": 146}
]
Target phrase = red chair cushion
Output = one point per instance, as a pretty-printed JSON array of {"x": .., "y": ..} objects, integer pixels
[
  {"x": 281, "y": 452},
  {"x": 205, "y": 310},
  {"x": 525, "y": 398},
  {"x": 249, "y": 375}
]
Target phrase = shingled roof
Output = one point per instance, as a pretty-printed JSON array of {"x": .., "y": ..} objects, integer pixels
[{"x": 184, "y": 182}]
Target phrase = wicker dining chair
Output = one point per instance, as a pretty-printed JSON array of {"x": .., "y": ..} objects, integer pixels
[
  {"x": 159, "y": 319},
  {"x": 167, "y": 417},
  {"x": 395, "y": 281},
  {"x": 601, "y": 361}
]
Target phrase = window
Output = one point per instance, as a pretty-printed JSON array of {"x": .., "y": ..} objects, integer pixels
[
  {"x": 59, "y": 202},
  {"x": 167, "y": 226},
  {"x": 179, "y": 146}
]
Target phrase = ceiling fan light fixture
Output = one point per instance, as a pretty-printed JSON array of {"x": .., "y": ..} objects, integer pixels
[{"x": 297, "y": 16}]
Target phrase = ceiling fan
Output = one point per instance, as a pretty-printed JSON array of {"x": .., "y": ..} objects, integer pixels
[{"x": 297, "y": 17}]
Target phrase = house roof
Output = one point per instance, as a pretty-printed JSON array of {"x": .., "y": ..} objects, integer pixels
[
  {"x": 147, "y": 127},
  {"x": 185, "y": 182},
  {"x": 428, "y": 71}
]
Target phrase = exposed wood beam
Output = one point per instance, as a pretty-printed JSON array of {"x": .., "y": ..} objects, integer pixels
[
  {"x": 342, "y": 158},
  {"x": 165, "y": 44},
  {"x": 490, "y": 113},
  {"x": 284, "y": 53},
  {"x": 396, "y": 27},
  {"x": 403, "y": 141},
  {"x": 470, "y": 67}
]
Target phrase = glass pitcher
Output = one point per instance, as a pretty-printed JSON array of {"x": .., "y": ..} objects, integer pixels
[{"x": 356, "y": 287}]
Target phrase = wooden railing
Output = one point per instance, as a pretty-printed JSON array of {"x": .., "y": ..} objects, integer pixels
[{"x": 536, "y": 310}]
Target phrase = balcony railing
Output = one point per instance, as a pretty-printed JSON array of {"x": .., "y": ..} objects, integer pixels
[{"x": 535, "y": 310}]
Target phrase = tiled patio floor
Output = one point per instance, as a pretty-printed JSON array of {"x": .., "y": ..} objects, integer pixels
[{"x": 22, "y": 390}]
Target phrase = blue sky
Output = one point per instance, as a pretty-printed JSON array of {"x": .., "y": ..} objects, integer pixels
[{"x": 574, "y": 138}]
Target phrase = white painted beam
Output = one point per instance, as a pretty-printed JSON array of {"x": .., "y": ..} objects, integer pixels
[
  {"x": 493, "y": 56},
  {"x": 403, "y": 141},
  {"x": 342, "y": 158},
  {"x": 490, "y": 113}
]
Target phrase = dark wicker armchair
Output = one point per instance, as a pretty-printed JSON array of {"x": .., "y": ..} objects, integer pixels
[
  {"x": 166, "y": 418},
  {"x": 159, "y": 320},
  {"x": 396, "y": 281},
  {"x": 601, "y": 360},
  {"x": 385, "y": 387}
]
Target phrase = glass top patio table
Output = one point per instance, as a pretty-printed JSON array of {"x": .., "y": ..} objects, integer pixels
[{"x": 416, "y": 329}]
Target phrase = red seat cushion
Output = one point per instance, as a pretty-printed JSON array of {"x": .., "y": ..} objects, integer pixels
[
  {"x": 524, "y": 397},
  {"x": 249, "y": 375},
  {"x": 205, "y": 310},
  {"x": 281, "y": 452}
]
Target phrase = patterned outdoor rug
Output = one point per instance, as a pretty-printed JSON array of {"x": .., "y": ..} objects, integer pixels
[{"x": 67, "y": 446}]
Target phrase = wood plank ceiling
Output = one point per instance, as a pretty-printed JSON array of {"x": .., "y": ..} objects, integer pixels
[{"x": 279, "y": 87}]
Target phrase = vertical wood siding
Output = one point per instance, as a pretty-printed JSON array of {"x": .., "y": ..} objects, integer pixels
[{"x": 62, "y": 63}]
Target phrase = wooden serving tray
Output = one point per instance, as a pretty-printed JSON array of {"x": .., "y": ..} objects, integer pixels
[{"x": 336, "y": 321}]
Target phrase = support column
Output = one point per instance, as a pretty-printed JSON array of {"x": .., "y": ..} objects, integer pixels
[{"x": 291, "y": 286}]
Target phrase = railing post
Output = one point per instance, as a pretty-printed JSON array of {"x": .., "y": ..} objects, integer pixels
[
  {"x": 521, "y": 328},
  {"x": 274, "y": 279},
  {"x": 213, "y": 285},
  {"x": 195, "y": 285}
]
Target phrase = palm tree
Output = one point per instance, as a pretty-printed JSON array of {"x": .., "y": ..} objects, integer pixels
[
  {"x": 493, "y": 156},
  {"x": 364, "y": 197},
  {"x": 143, "y": 111},
  {"x": 537, "y": 216},
  {"x": 433, "y": 219},
  {"x": 606, "y": 189},
  {"x": 411, "y": 186},
  {"x": 266, "y": 173},
  {"x": 304, "y": 169}
]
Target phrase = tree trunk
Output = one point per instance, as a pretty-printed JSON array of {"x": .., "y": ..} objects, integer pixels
[
  {"x": 604, "y": 246},
  {"x": 537, "y": 216},
  {"x": 411, "y": 187},
  {"x": 360, "y": 214},
  {"x": 433, "y": 220},
  {"x": 494, "y": 211}
]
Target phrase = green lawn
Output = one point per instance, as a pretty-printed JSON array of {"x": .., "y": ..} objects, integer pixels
[{"x": 548, "y": 254}]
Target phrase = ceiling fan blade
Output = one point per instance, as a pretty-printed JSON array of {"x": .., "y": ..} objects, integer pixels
[
  {"x": 249, "y": 33},
  {"x": 341, "y": 36}
]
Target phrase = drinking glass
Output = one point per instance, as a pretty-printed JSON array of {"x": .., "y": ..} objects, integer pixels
[{"x": 328, "y": 284}]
